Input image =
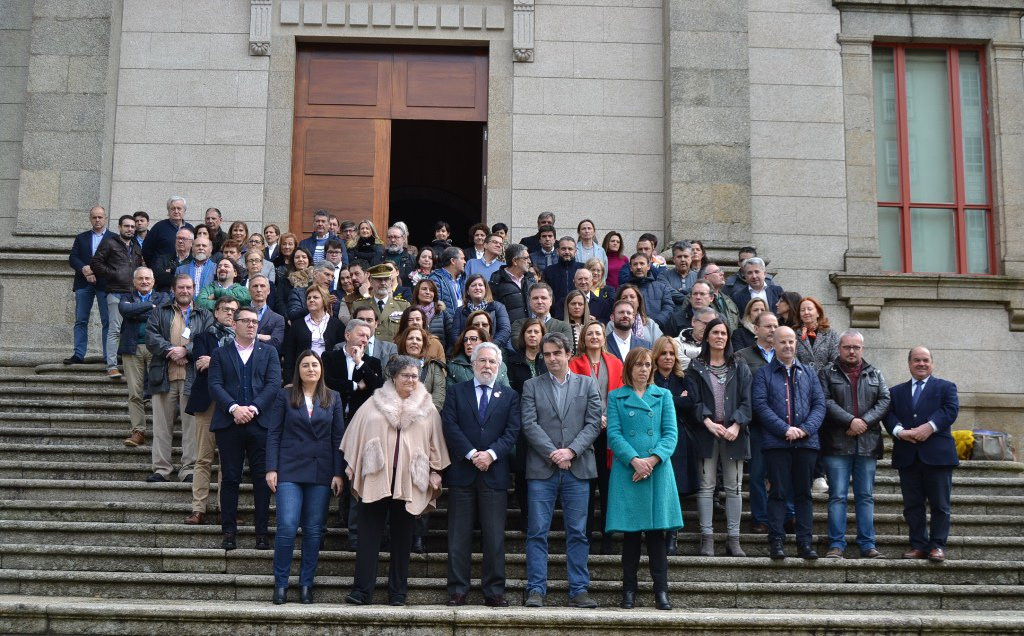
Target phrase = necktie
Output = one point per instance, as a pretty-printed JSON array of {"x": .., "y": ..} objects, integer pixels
[
  {"x": 483, "y": 401},
  {"x": 380, "y": 306},
  {"x": 918, "y": 387}
]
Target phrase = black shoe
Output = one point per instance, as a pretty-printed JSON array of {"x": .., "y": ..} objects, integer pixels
[
  {"x": 187, "y": 479},
  {"x": 417, "y": 546},
  {"x": 73, "y": 360},
  {"x": 306, "y": 594},
  {"x": 262, "y": 543},
  {"x": 352, "y": 599},
  {"x": 396, "y": 601},
  {"x": 661, "y": 600},
  {"x": 280, "y": 595},
  {"x": 775, "y": 551},
  {"x": 806, "y": 552},
  {"x": 229, "y": 541},
  {"x": 628, "y": 600},
  {"x": 156, "y": 478},
  {"x": 671, "y": 544}
]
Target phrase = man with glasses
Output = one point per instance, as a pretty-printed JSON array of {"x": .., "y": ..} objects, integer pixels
[
  {"x": 115, "y": 262},
  {"x": 511, "y": 283},
  {"x": 491, "y": 261},
  {"x": 720, "y": 301},
  {"x": 396, "y": 253},
  {"x": 166, "y": 266},
  {"x": 700, "y": 297}
]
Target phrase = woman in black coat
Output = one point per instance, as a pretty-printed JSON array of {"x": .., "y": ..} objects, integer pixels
[
  {"x": 668, "y": 374},
  {"x": 304, "y": 465},
  {"x": 318, "y": 330},
  {"x": 521, "y": 366}
]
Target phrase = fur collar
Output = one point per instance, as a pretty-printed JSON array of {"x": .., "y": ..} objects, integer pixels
[{"x": 400, "y": 413}]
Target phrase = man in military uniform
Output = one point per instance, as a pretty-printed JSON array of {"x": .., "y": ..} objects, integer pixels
[{"x": 385, "y": 305}]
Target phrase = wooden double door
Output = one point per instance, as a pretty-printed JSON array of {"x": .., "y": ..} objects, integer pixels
[{"x": 345, "y": 100}]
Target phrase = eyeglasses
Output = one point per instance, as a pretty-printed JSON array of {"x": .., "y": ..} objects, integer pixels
[
  {"x": 472, "y": 339},
  {"x": 247, "y": 321},
  {"x": 409, "y": 377}
]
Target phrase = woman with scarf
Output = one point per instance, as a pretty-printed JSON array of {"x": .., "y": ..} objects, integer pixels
[
  {"x": 477, "y": 297},
  {"x": 425, "y": 298},
  {"x": 395, "y": 450}
]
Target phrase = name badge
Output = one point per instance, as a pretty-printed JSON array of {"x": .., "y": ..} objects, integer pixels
[{"x": 186, "y": 333}]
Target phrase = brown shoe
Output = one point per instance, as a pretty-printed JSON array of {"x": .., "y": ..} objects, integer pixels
[
  {"x": 496, "y": 601},
  {"x": 937, "y": 555},
  {"x": 456, "y": 600},
  {"x": 195, "y": 519},
  {"x": 915, "y": 554},
  {"x": 759, "y": 528},
  {"x": 135, "y": 439},
  {"x": 113, "y": 373},
  {"x": 834, "y": 553}
]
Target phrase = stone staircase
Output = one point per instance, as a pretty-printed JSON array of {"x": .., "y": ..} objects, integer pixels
[{"x": 86, "y": 546}]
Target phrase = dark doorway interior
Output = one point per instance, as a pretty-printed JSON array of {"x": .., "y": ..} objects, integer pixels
[{"x": 437, "y": 175}]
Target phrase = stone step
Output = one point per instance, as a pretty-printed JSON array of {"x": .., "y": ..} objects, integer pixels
[
  {"x": 92, "y": 364},
  {"x": 685, "y": 595},
  {"x": 51, "y": 436},
  {"x": 97, "y": 420},
  {"x": 79, "y": 615},
  {"x": 60, "y": 404},
  {"x": 111, "y": 389},
  {"x": 179, "y": 535},
  {"x": 435, "y": 566},
  {"x": 888, "y": 515}
]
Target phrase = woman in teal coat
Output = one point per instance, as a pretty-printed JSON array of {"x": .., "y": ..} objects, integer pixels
[{"x": 642, "y": 494}]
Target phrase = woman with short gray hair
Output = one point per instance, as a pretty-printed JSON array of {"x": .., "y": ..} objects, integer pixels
[{"x": 395, "y": 450}]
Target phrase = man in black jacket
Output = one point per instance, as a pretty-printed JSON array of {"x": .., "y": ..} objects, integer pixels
[
  {"x": 114, "y": 262},
  {"x": 510, "y": 285},
  {"x": 856, "y": 401}
]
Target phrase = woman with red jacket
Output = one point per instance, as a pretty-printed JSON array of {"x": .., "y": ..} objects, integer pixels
[{"x": 594, "y": 360}]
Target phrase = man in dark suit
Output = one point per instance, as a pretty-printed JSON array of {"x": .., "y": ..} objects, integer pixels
[
  {"x": 355, "y": 375},
  {"x": 532, "y": 243},
  {"x": 922, "y": 412},
  {"x": 271, "y": 327},
  {"x": 622, "y": 340},
  {"x": 87, "y": 286},
  {"x": 481, "y": 423},
  {"x": 754, "y": 275},
  {"x": 114, "y": 263},
  {"x": 560, "y": 275},
  {"x": 244, "y": 378},
  {"x": 561, "y": 420}
]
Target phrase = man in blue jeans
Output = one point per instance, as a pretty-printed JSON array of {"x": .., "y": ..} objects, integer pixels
[
  {"x": 561, "y": 420},
  {"x": 856, "y": 401},
  {"x": 87, "y": 286}
]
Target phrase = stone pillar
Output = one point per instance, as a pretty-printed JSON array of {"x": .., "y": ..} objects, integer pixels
[
  {"x": 1007, "y": 95},
  {"x": 707, "y": 122}
]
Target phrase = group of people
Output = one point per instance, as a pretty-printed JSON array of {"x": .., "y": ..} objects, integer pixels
[{"x": 342, "y": 363}]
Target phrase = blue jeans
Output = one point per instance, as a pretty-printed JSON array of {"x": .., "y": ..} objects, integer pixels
[
  {"x": 83, "y": 307},
  {"x": 574, "y": 493},
  {"x": 758, "y": 473},
  {"x": 839, "y": 469},
  {"x": 305, "y": 504}
]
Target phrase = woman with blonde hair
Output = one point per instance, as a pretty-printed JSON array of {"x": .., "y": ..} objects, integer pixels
[
  {"x": 577, "y": 314},
  {"x": 369, "y": 247},
  {"x": 745, "y": 335}
]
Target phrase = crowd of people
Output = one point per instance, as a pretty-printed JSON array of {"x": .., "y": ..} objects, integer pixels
[{"x": 615, "y": 383}]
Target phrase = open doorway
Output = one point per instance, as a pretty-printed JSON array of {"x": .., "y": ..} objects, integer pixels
[{"x": 437, "y": 174}]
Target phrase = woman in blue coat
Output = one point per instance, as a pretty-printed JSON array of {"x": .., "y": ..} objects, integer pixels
[
  {"x": 303, "y": 466},
  {"x": 642, "y": 494}
]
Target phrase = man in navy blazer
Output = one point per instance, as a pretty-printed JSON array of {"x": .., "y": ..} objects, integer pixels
[
  {"x": 481, "y": 423},
  {"x": 86, "y": 286},
  {"x": 621, "y": 340},
  {"x": 754, "y": 274},
  {"x": 244, "y": 378},
  {"x": 271, "y": 326},
  {"x": 922, "y": 412}
]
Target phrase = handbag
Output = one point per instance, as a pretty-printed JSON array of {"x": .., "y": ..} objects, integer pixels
[{"x": 993, "y": 446}]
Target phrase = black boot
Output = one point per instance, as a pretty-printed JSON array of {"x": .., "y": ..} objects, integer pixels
[
  {"x": 775, "y": 550},
  {"x": 280, "y": 595},
  {"x": 661, "y": 600},
  {"x": 306, "y": 594},
  {"x": 806, "y": 551},
  {"x": 628, "y": 599},
  {"x": 671, "y": 546}
]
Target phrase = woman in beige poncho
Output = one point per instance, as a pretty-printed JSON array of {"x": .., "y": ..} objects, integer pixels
[{"x": 395, "y": 452}]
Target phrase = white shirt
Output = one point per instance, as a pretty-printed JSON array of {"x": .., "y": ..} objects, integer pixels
[
  {"x": 350, "y": 362},
  {"x": 245, "y": 352},
  {"x": 913, "y": 384},
  {"x": 316, "y": 341},
  {"x": 623, "y": 344},
  {"x": 763, "y": 294}
]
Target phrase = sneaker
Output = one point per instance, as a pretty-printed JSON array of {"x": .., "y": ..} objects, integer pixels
[
  {"x": 156, "y": 478},
  {"x": 834, "y": 553},
  {"x": 820, "y": 486},
  {"x": 73, "y": 360},
  {"x": 137, "y": 438},
  {"x": 583, "y": 600},
  {"x": 114, "y": 373},
  {"x": 871, "y": 553},
  {"x": 534, "y": 599}
]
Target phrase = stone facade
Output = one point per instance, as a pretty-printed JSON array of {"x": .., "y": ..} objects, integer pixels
[{"x": 733, "y": 121}]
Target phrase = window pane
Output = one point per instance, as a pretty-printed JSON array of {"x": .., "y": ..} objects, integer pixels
[
  {"x": 887, "y": 167},
  {"x": 889, "y": 239},
  {"x": 930, "y": 137},
  {"x": 933, "y": 240},
  {"x": 975, "y": 183},
  {"x": 977, "y": 241}
]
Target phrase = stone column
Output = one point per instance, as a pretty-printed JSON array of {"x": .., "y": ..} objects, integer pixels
[
  {"x": 1007, "y": 97},
  {"x": 707, "y": 123}
]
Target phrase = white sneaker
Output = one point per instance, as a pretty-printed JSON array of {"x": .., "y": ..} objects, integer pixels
[{"x": 820, "y": 486}]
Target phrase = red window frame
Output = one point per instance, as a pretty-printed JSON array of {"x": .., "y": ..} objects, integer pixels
[{"x": 959, "y": 205}]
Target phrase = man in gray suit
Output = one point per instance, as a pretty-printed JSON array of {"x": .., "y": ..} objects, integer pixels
[
  {"x": 561, "y": 420},
  {"x": 380, "y": 349}
]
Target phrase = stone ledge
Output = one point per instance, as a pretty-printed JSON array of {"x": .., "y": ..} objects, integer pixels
[
  {"x": 1008, "y": 7},
  {"x": 865, "y": 295}
]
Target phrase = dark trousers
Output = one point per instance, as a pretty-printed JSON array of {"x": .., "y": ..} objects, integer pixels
[
  {"x": 235, "y": 444},
  {"x": 599, "y": 486},
  {"x": 790, "y": 470},
  {"x": 934, "y": 484},
  {"x": 656, "y": 555},
  {"x": 373, "y": 518},
  {"x": 467, "y": 504}
]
